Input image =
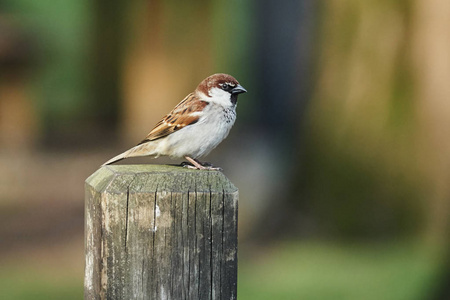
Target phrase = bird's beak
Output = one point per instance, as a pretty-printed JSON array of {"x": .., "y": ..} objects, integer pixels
[{"x": 239, "y": 89}]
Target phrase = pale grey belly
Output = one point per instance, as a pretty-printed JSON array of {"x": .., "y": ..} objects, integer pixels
[{"x": 199, "y": 139}]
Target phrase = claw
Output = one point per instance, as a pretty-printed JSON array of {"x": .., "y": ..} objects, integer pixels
[
  {"x": 212, "y": 168},
  {"x": 185, "y": 164},
  {"x": 196, "y": 165},
  {"x": 190, "y": 167}
]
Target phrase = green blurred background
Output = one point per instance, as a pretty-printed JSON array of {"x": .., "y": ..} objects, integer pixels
[{"x": 341, "y": 150}]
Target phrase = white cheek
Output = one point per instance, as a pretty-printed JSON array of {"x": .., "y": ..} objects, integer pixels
[{"x": 220, "y": 97}]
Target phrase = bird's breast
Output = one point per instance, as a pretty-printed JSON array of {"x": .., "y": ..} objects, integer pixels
[
  {"x": 217, "y": 124},
  {"x": 199, "y": 139},
  {"x": 229, "y": 115}
]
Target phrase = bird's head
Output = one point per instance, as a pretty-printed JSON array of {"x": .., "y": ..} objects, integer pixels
[{"x": 220, "y": 88}]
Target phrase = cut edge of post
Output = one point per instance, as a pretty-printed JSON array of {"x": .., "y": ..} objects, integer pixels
[{"x": 186, "y": 179}]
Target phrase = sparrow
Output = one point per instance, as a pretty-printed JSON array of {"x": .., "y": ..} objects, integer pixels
[{"x": 195, "y": 126}]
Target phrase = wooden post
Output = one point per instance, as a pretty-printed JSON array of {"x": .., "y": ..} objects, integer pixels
[{"x": 160, "y": 232}]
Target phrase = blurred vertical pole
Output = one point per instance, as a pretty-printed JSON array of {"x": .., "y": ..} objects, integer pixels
[
  {"x": 362, "y": 122},
  {"x": 283, "y": 57},
  {"x": 168, "y": 53},
  {"x": 283, "y": 72},
  {"x": 18, "y": 119},
  {"x": 432, "y": 60},
  {"x": 108, "y": 40}
]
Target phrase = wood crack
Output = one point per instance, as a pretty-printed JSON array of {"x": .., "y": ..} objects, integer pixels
[
  {"x": 223, "y": 241},
  {"x": 154, "y": 236},
  {"x": 126, "y": 218},
  {"x": 211, "y": 243}
]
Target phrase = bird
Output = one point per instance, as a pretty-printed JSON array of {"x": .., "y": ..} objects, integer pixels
[{"x": 200, "y": 122}]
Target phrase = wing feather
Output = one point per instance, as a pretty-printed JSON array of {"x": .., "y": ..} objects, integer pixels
[{"x": 186, "y": 113}]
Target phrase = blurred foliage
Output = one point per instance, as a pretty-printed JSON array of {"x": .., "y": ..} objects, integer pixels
[
  {"x": 317, "y": 270},
  {"x": 363, "y": 175},
  {"x": 30, "y": 284},
  {"x": 354, "y": 198},
  {"x": 61, "y": 30}
]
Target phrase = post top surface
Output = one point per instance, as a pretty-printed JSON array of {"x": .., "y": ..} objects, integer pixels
[{"x": 152, "y": 178}]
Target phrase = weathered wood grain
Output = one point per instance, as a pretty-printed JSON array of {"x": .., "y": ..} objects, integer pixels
[{"x": 160, "y": 232}]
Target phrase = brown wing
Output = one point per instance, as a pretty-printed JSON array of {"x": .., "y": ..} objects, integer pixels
[{"x": 181, "y": 116}]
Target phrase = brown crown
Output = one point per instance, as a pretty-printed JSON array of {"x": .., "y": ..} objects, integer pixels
[{"x": 214, "y": 81}]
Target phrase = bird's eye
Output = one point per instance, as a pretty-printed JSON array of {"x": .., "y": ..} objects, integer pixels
[{"x": 225, "y": 86}]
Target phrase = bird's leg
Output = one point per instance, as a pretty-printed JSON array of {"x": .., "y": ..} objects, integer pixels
[
  {"x": 195, "y": 164},
  {"x": 199, "y": 166}
]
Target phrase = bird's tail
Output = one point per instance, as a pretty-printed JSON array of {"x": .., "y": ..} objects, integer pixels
[
  {"x": 139, "y": 150},
  {"x": 117, "y": 158}
]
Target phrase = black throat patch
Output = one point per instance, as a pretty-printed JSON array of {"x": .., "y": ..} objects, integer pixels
[{"x": 233, "y": 98}]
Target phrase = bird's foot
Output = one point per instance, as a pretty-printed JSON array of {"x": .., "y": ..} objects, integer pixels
[
  {"x": 200, "y": 166},
  {"x": 212, "y": 168},
  {"x": 188, "y": 165},
  {"x": 209, "y": 166}
]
